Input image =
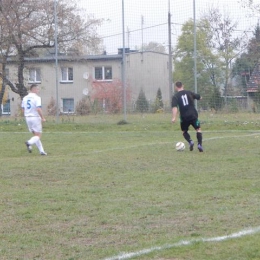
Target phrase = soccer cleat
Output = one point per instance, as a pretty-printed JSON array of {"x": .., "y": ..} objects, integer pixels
[
  {"x": 29, "y": 147},
  {"x": 191, "y": 145},
  {"x": 43, "y": 153},
  {"x": 200, "y": 147}
]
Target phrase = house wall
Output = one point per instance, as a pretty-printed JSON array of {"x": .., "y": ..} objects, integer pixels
[
  {"x": 147, "y": 71},
  {"x": 72, "y": 90}
]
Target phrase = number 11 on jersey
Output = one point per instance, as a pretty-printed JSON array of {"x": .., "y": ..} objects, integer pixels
[{"x": 185, "y": 100}]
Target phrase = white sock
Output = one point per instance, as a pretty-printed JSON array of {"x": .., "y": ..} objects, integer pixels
[
  {"x": 39, "y": 145},
  {"x": 33, "y": 140}
]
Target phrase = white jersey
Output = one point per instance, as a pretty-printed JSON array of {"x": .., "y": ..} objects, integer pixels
[{"x": 30, "y": 104}]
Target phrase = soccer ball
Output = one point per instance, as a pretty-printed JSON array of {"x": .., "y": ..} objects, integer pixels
[{"x": 180, "y": 146}]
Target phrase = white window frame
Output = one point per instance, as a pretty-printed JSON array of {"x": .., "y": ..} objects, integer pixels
[
  {"x": 8, "y": 112},
  {"x": 63, "y": 109},
  {"x": 66, "y": 74},
  {"x": 34, "y": 75},
  {"x": 104, "y": 76}
]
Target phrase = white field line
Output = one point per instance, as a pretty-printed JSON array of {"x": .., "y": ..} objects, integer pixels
[
  {"x": 161, "y": 143},
  {"x": 133, "y": 146},
  {"x": 182, "y": 242},
  {"x": 101, "y": 132},
  {"x": 239, "y": 234},
  {"x": 190, "y": 242}
]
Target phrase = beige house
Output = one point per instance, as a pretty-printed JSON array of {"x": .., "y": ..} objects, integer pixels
[{"x": 75, "y": 75}]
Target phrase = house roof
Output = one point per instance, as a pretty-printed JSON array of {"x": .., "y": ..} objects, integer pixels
[{"x": 51, "y": 58}]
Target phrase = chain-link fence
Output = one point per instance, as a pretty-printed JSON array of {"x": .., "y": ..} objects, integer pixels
[{"x": 116, "y": 55}]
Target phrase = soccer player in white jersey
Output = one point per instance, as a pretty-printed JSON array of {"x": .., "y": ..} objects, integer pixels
[{"x": 31, "y": 106}]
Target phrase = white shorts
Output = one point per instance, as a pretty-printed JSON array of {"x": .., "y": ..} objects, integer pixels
[{"x": 34, "y": 124}]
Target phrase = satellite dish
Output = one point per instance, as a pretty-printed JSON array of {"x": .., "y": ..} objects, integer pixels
[
  {"x": 85, "y": 75},
  {"x": 85, "y": 91}
]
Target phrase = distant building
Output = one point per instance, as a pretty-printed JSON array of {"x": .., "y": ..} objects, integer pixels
[
  {"x": 254, "y": 80},
  {"x": 144, "y": 70}
]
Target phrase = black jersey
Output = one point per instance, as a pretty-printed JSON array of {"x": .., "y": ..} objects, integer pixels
[{"x": 184, "y": 100}]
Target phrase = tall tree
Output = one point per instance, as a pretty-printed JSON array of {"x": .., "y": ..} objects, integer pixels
[
  {"x": 142, "y": 104},
  {"x": 223, "y": 41},
  {"x": 153, "y": 46},
  {"x": 208, "y": 68},
  {"x": 30, "y": 25},
  {"x": 110, "y": 93},
  {"x": 159, "y": 99},
  {"x": 244, "y": 65},
  {"x": 253, "y": 5},
  {"x": 5, "y": 51}
]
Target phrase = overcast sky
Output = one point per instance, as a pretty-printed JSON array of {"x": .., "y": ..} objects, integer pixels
[{"x": 155, "y": 17}]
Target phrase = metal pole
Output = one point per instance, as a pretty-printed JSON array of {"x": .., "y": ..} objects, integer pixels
[
  {"x": 195, "y": 49},
  {"x": 123, "y": 62},
  {"x": 142, "y": 30},
  {"x": 170, "y": 54},
  {"x": 56, "y": 61}
]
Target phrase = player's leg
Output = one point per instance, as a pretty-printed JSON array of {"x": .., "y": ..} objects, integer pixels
[
  {"x": 196, "y": 125},
  {"x": 199, "y": 137},
  {"x": 40, "y": 147},
  {"x": 32, "y": 124},
  {"x": 185, "y": 128},
  {"x": 36, "y": 129},
  {"x": 32, "y": 140},
  {"x": 28, "y": 146}
]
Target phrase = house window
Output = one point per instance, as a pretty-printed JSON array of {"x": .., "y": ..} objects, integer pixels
[
  {"x": 68, "y": 105},
  {"x": 66, "y": 74},
  {"x": 6, "y": 108},
  {"x": 34, "y": 75},
  {"x": 108, "y": 72},
  {"x": 98, "y": 73},
  {"x": 103, "y": 73}
]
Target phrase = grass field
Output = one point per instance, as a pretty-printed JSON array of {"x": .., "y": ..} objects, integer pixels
[{"x": 109, "y": 191}]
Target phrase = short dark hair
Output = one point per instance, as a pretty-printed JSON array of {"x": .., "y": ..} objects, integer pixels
[
  {"x": 178, "y": 84},
  {"x": 33, "y": 86}
]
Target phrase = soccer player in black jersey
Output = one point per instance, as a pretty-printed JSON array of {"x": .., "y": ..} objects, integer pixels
[{"x": 183, "y": 101}]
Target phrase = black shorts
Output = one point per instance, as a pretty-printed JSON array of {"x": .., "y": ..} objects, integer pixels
[{"x": 185, "y": 124}]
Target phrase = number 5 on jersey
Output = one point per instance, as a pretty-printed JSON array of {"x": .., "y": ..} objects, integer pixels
[{"x": 29, "y": 104}]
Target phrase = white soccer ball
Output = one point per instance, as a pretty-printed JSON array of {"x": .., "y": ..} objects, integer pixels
[{"x": 180, "y": 146}]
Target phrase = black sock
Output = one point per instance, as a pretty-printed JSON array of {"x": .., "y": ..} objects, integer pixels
[
  {"x": 187, "y": 136},
  {"x": 199, "y": 137}
]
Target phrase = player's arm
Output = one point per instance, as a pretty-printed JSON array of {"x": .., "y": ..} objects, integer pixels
[
  {"x": 174, "y": 114},
  {"x": 174, "y": 108},
  {"x": 196, "y": 96},
  {"x": 39, "y": 110},
  {"x": 22, "y": 106}
]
